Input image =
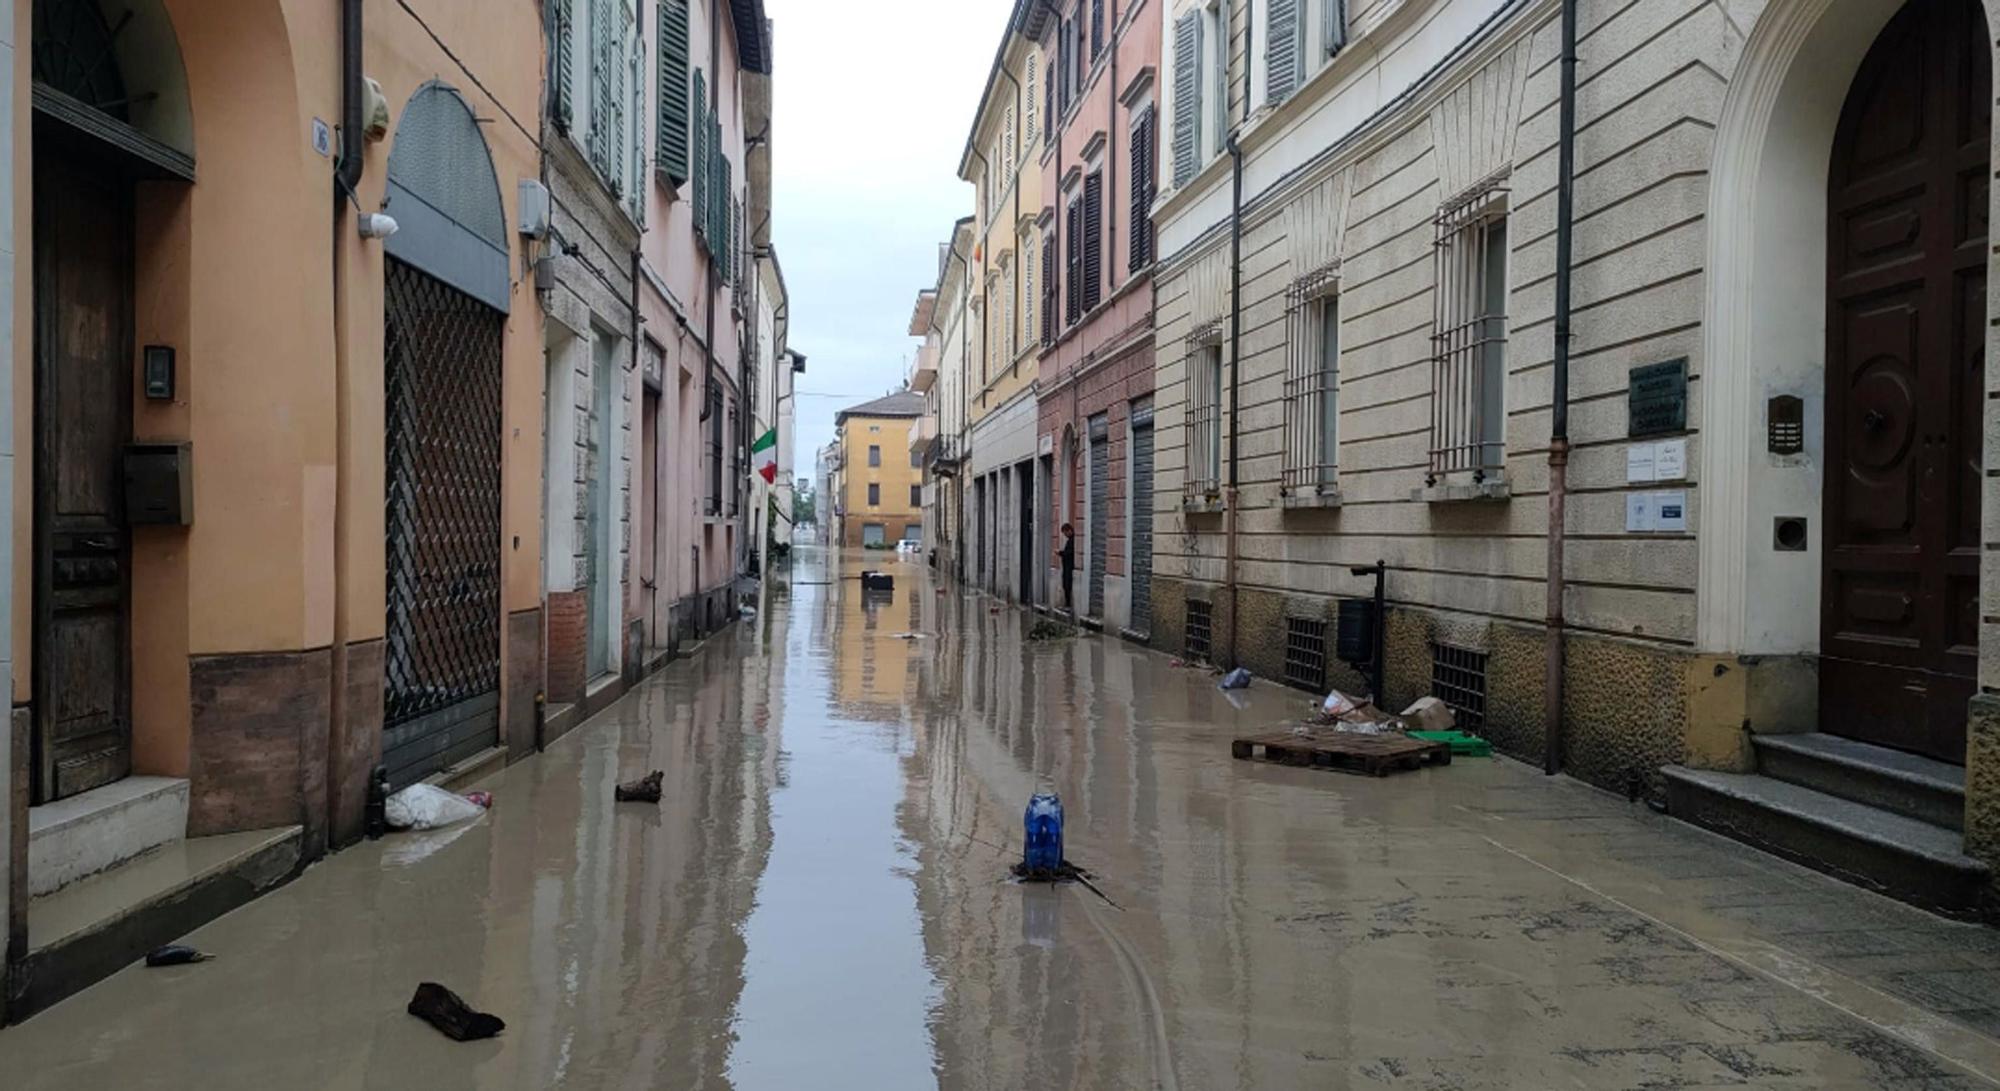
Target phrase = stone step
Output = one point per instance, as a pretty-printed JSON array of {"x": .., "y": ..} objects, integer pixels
[
  {"x": 1902, "y": 857},
  {"x": 89, "y": 832},
  {"x": 1908, "y": 784},
  {"x": 93, "y": 928}
]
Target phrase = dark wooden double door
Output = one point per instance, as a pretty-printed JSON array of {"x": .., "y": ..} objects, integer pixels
[
  {"x": 83, "y": 284},
  {"x": 1905, "y": 400}
]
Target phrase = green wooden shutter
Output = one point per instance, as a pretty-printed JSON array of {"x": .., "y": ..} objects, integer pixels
[
  {"x": 562, "y": 72},
  {"x": 671, "y": 140},
  {"x": 1187, "y": 97},
  {"x": 698, "y": 151},
  {"x": 1281, "y": 50},
  {"x": 725, "y": 196},
  {"x": 1093, "y": 241}
]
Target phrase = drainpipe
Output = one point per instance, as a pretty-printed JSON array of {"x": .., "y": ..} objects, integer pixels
[
  {"x": 1111, "y": 155},
  {"x": 346, "y": 176},
  {"x": 709, "y": 282},
  {"x": 1552, "y": 698},
  {"x": 1230, "y": 496}
]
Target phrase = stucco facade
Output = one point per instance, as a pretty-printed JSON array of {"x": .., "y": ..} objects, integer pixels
[
  {"x": 1004, "y": 274},
  {"x": 1702, "y": 139},
  {"x": 881, "y": 477},
  {"x": 1095, "y": 374}
]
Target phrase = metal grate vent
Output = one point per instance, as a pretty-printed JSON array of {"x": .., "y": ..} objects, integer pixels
[
  {"x": 1200, "y": 622},
  {"x": 1458, "y": 678},
  {"x": 1305, "y": 652}
]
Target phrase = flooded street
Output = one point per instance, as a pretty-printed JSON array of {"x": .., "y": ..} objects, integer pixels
[{"x": 821, "y": 900}]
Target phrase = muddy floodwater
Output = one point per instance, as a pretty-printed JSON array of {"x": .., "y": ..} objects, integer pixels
[{"x": 822, "y": 900}]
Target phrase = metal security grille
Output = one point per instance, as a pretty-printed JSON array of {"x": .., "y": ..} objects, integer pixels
[
  {"x": 1305, "y": 652},
  {"x": 442, "y": 364},
  {"x": 1312, "y": 321},
  {"x": 1200, "y": 624},
  {"x": 1100, "y": 511},
  {"x": 1458, "y": 678},
  {"x": 1142, "y": 517},
  {"x": 1204, "y": 412},
  {"x": 1469, "y": 334}
]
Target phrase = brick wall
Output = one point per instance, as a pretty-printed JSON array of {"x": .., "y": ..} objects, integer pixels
[{"x": 569, "y": 645}]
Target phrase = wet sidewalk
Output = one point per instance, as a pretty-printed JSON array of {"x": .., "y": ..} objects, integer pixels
[{"x": 820, "y": 902}]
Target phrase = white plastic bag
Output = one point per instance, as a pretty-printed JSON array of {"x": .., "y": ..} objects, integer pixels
[
  {"x": 428, "y": 807},
  {"x": 1336, "y": 705}
]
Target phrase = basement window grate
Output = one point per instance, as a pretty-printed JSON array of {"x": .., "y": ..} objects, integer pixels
[
  {"x": 1458, "y": 678},
  {"x": 1305, "y": 653},
  {"x": 1200, "y": 627}
]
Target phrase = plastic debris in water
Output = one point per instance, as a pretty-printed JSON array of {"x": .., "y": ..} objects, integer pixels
[
  {"x": 1237, "y": 679},
  {"x": 1042, "y": 834},
  {"x": 175, "y": 954}
]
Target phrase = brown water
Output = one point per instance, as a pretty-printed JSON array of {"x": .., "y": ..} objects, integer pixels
[{"x": 822, "y": 901}]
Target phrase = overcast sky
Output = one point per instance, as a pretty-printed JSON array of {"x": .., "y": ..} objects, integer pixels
[{"x": 873, "y": 107}]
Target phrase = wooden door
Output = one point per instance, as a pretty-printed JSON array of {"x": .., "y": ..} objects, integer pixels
[
  {"x": 1906, "y": 310},
  {"x": 83, "y": 412}
]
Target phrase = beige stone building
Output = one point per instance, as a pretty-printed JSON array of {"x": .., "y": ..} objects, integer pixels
[{"x": 1772, "y": 580}]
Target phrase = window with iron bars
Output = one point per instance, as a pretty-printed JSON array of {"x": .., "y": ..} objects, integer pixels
[
  {"x": 1204, "y": 411},
  {"x": 1312, "y": 382},
  {"x": 735, "y": 478},
  {"x": 1458, "y": 678},
  {"x": 1469, "y": 335},
  {"x": 714, "y": 450},
  {"x": 1305, "y": 652},
  {"x": 1200, "y": 626}
]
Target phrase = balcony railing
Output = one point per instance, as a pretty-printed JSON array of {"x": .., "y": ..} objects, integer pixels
[{"x": 942, "y": 456}]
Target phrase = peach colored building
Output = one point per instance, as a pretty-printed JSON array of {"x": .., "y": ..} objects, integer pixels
[{"x": 237, "y": 401}]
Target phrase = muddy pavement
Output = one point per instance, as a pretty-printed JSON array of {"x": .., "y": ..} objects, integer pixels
[{"x": 821, "y": 900}]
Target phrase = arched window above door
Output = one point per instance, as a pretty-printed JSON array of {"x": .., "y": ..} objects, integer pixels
[
  {"x": 445, "y": 197},
  {"x": 113, "y": 72}
]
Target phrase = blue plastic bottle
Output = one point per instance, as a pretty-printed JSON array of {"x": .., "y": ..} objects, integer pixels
[{"x": 1043, "y": 833}]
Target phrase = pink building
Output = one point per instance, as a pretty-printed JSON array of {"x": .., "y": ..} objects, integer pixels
[
  {"x": 697, "y": 285},
  {"x": 1100, "y": 147}
]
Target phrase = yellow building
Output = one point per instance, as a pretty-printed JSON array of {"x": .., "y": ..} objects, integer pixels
[
  {"x": 1003, "y": 160},
  {"x": 881, "y": 492}
]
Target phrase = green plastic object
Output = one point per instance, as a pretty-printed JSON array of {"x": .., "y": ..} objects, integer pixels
[{"x": 1462, "y": 744}]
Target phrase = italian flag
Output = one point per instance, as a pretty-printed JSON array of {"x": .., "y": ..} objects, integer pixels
[{"x": 764, "y": 457}]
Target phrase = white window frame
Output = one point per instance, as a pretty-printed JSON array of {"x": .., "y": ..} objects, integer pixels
[
  {"x": 1473, "y": 270},
  {"x": 1312, "y": 399},
  {"x": 1203, "y": 479},
  {"x": 1215, "y": 80}
]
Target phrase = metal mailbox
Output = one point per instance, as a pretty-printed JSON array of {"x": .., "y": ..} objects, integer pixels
[{"x": 159, "y": 484}]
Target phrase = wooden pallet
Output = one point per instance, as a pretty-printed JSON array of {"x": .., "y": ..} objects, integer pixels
[{"x": 1368, "y": 755}]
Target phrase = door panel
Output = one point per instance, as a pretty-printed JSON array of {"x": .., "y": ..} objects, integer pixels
[
  {"x": 1141, "y": 530},
  {"x": 83, "y": 377},
  {"x": 1905, "y": 398}
]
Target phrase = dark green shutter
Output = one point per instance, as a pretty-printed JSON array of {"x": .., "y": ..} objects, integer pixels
[
  {"x": 698, "y": 153},
  {"x": 726, "y": 255},
  {"x": 1093, "y": 241},
  {"x": 562, "y": 64},
  {"x": 671, "y": 142}
]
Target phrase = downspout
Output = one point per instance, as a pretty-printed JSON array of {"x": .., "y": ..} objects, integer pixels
[
  {"x": 1111, "y": 157},
  {"x": 1552, "y": 697},
  {"x": 346, "y": 176},
  {"x": 709, "y": 280},
  {"x": 1230, "y": 496}
]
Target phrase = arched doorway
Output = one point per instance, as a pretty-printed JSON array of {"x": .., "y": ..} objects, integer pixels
[
  {"x": 1905, "y": 394},
  {"x": 445, "y": 297},
  {"x": 110, "y": 113}
]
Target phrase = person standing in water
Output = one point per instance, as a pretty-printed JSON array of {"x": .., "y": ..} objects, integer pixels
[{"x": 1068, "y": 555}]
